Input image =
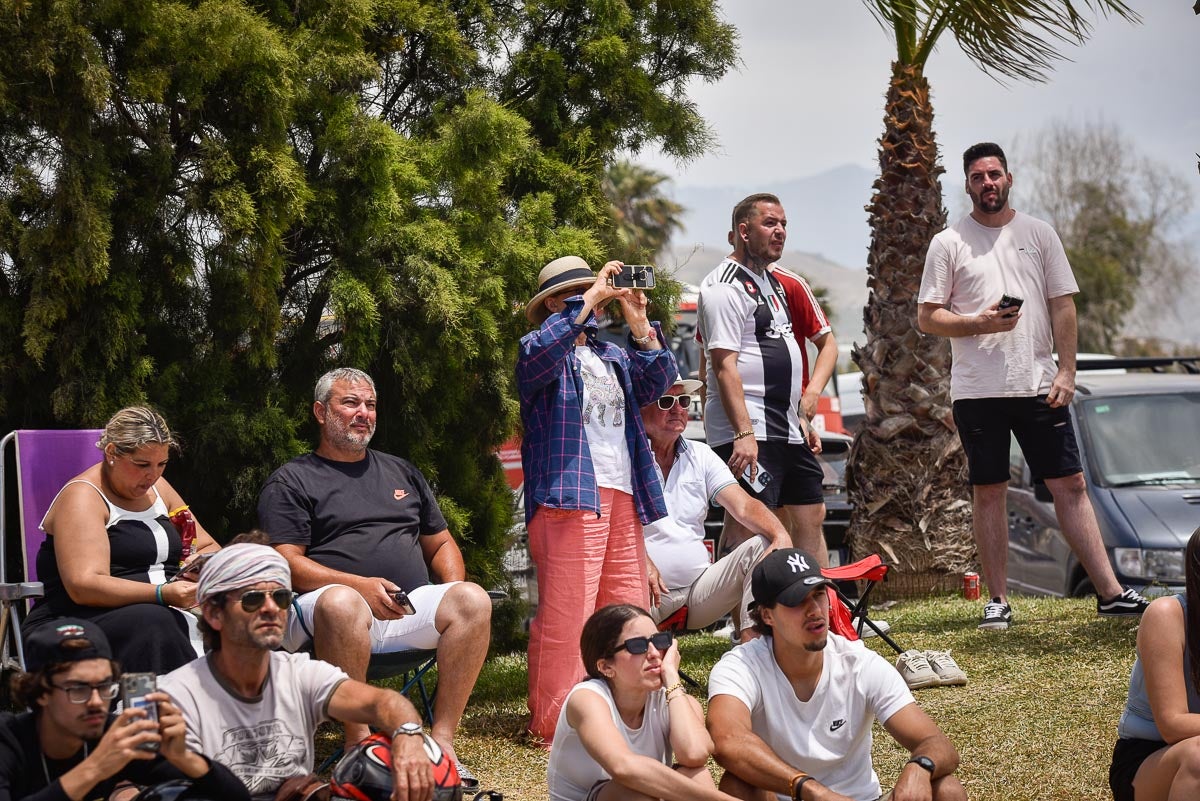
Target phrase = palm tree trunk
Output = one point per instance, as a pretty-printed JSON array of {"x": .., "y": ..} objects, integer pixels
[{"x": 907, "y": 472}]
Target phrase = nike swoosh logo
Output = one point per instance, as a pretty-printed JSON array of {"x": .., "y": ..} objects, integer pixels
[{"x": 837, "y": 724}]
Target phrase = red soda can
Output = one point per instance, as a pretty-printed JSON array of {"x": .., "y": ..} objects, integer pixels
[{"x": 971, "y": 586}]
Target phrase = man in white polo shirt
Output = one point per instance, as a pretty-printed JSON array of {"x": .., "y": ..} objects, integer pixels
[{"x": 693, "y": 478}]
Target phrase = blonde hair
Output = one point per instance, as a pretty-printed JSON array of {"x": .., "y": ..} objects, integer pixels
[{"x": 136, "y": 426}]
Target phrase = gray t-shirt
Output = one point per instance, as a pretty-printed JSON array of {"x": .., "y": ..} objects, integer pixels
[{"x": 264, "y": 740}]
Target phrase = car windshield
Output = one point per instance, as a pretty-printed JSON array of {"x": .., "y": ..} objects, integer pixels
[{"x": 1137, "y": 440}]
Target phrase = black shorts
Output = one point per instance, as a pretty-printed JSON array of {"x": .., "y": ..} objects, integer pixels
[
  {"x": 1128, "y": 756},
  {"x": 796, "y": 475},
  {"x": 1045, "y": 434}
]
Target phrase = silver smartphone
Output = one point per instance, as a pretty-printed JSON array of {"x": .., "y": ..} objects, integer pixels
[{"x": 134, "y": 689}]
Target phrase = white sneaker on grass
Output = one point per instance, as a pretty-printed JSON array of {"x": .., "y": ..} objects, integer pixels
[
  {"x": 948, "y": 672},
  {"x": 915, "y": 670}
]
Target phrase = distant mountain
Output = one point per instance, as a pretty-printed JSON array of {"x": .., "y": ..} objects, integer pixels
[{"x": 825, "y": 213}]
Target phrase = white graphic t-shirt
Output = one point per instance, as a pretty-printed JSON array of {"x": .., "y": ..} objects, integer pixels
[
  {"x": 264, "y": 740},
  {"x": 604, "y": 421}
]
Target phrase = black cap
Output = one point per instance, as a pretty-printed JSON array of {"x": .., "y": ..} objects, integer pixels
[
  {"x": 786, "y": 577},
  {"x": 45, "y": 644}
]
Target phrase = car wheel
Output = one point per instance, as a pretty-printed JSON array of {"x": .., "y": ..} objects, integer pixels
[{"x": 1083, "y": 587}]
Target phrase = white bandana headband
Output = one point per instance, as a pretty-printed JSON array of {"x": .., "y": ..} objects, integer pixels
[{"x": 239, "y": 566}]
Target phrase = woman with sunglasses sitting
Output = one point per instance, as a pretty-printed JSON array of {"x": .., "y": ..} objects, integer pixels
[{"x": 620, "y": 730}]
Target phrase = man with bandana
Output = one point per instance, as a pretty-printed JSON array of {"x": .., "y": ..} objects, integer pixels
[{"x": 255, "y": 708}]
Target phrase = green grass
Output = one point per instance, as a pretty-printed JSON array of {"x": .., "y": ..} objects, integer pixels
[{"x": 1036, "y": 721}]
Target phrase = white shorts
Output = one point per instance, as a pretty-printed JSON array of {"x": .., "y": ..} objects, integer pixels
[{"x": 408, "y": 633}]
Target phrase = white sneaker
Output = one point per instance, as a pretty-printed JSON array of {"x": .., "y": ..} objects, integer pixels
[
  {"x": 867, "y": 631},
  {"x": 948, "y": 672},
  {"x": 915, "y": 669}
]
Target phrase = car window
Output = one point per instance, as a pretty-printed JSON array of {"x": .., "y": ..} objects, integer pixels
[{"x": 1143, "y": 439}]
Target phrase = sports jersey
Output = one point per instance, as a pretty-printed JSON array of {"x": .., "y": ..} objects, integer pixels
[{"x": 748, "y": 313}]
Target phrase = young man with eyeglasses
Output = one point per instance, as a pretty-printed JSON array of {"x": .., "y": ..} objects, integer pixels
[
  {"x": 694, "y": 478},
  {"x": 68, "y": 746},
  {"x": 256, "y": 708}
]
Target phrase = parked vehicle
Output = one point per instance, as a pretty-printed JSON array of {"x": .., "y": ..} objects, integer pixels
[{"x": 1139, "y": 440}]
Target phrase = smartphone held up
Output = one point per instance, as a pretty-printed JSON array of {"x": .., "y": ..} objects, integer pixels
[
  {"x": 634, "y": 276},
  {"x": 134, "y": 689}
]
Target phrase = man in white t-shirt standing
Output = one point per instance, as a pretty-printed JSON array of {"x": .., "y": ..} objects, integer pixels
[
  {"x": 256, "y": 709},
  {"x": 791, "y": 713},
  {"x": 998, "y": 284},
  {"x": 693, "y": 479},
  {"x": 756, "y": 375}
]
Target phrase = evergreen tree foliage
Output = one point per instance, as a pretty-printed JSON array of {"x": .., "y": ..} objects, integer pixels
[{"x": 205, "y": 205}]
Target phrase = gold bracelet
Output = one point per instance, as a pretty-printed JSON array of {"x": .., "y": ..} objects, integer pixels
[
  {"x": 676, "y": 686},
  {"x": 740, "y": 434}
]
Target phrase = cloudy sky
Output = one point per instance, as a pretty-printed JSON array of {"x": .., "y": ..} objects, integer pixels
[{"x": 809, "y": 93}]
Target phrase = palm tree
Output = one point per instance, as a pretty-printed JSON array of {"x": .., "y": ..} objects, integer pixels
[
  {"x": 643, "y": 219},
  {"x": 908, "y": 472}
]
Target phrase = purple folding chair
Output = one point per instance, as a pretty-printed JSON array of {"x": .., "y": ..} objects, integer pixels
[{"x": 45, "y": 461}]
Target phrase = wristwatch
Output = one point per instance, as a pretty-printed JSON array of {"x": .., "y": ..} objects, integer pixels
[
  {"x": 924, "y": 762},
  {"x": 413, "y": 729}
]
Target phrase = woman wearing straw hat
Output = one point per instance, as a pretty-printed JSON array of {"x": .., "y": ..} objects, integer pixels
[{"x": 590, "y": 482}]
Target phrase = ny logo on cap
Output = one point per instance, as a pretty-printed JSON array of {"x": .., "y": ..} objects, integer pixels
[{"x": 797, "y": 562}]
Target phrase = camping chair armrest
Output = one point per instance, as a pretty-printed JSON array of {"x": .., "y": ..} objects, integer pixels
[{"x": 25, "y": 589}]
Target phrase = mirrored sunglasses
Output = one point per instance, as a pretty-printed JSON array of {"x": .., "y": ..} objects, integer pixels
[
  {"x": 640, "y": 645},
  {"x": 253, "y": 600},
  {"x": 82, "y": 693},
  {"x": 667, "y": 401}
]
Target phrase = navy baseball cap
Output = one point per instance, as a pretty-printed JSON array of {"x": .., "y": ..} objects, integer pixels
[
  {"x": 67, "y": 639},
  {"x": 786, "y": 576}
]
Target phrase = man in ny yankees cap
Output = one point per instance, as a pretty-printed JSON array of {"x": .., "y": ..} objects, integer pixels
[{"x": 791, "y": 713}]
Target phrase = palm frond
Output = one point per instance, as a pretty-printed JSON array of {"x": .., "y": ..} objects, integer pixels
[{"x": 1015, "y": 39}]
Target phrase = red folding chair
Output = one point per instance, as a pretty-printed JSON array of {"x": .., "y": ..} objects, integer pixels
[
  {"x": 45, "y": 461},
  {"x": 871, "y": 570}
]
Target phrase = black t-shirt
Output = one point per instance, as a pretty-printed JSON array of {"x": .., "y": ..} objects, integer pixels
[
  {"x": 26, "y": 776},
  {"x": 363, "y": 518}
]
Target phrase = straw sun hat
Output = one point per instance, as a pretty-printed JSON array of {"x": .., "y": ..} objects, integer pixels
[{"x": 568, "y": 272}]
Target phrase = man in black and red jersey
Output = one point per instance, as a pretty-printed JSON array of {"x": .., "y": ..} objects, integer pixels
[{"x": 758, "y": 382}]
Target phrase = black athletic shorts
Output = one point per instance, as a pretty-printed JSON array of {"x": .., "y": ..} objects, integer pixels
[
  {"x": 1128, "y": 756},
  {"x": 1045, "y": 434},
  {"x": 796, "y": 475}
]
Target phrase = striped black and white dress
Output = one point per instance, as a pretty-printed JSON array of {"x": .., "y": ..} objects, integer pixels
[{"x": 143, "y": 546}]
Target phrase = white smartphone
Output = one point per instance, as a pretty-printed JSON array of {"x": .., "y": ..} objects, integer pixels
[{"x": 760, "y": 481}]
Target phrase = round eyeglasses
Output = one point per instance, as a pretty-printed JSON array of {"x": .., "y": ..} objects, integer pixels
[
  {"x": 82, "y": 693},
  {"x": 666, "y": 402}
]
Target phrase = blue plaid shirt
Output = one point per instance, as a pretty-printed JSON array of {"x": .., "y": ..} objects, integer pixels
[{"x": 554, "y": 450}]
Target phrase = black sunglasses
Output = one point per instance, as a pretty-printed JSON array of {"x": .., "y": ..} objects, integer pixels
[
  {"x": 640, "y": 645},
  {"x": 667, "y": 401},
  {"x": 253, "y": 600}
]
